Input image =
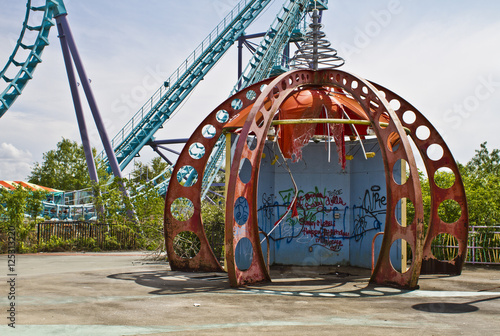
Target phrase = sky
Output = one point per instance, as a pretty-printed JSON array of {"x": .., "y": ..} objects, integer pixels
[{"x": 441, "y": 56}]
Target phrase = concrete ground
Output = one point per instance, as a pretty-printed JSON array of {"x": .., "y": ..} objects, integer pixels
[{"x": 127, "y": 294}]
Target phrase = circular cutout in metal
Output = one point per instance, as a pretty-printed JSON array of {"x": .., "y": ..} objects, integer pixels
[
  {"x": 245, "y": 171},
  {"x": 449, "y": 211},
  {"x": 404, "y": 212},
  {"x": 241, "y": 210},
  {"x": 186, "y": 244},
  {"x": 444, "y": 247},
  {"x": 423, "y": 132},
  {"x": 222, "y": 116},
  {"x": 196, "y": 150},
  {"x": 395, "y": 104},
  {"x": 401, "y": 256},
  {"x": 187, "y": 176},
  {"x": 182, "y": 209},
  {"x": 435, "y": 152},
  {"x": 401, "y": 171},
  {"x": 251, "y": 140},
  {"x": 208, "y": 131},
  {"x": 393, "y": 142},
  {"x": 236, "y": 104},
  {"x": 444, "y": 178},
  {"x": 243, "y": 254},
  {"x": 409, "y": 117},
  {"x": 251, "y": 95}
]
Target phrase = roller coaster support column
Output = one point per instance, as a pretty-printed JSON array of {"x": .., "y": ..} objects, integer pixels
[
  {"x": 62, "y": 24},
  {"x": 70, "y": 51},
  {"x": 78, "y": 105},
  {"x": 242, "y": 41}
]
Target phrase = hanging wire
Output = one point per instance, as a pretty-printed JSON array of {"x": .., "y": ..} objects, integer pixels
[{"x": 292, "y": 203}]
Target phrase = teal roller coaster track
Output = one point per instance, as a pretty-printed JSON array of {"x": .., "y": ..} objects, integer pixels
[{"x": 267, "y": 59}]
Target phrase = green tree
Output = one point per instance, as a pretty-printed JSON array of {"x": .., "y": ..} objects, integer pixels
[
  {"x": 148, "y": 205},
  {"x": 14, "y": 207},
  {"x": 481, "y": 176},
  {"x": 64, "y": 168},
  {"x": 143, "y": 173},
  {"x": 34, "y": 204},
  {"x": 213, "y": 216}
]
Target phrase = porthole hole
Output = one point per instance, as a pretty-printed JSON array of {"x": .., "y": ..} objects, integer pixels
[
  {"x": 444, "y": 247},
  {"x": 182, "y": 209},
  {"x": 196, "y": 150},
  {"x": 449, "y": 211},
  {"x": 435, "y": 152},
  {"x": 222, "y": 116},
  {"x": 444, "y": 178},
  {"x": 241, "y": 210},
  {"x": 401, "y": 256},
  {"x": 401, "y": 171},
  {"x": 423, "y": 132},
  {"x": 186, "y": 244},
  {"x": 243, "y": 254},
  {"x": 187, "y": 176},
  {"x": 208, "y": 131},
  {"x": 245, "y": 171}
]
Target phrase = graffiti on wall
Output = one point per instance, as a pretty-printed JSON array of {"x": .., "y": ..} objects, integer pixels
[
  {"x": 321, "y": 216},
  {"x": 366, "y": 216}
]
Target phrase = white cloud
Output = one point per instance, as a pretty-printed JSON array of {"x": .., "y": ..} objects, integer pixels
[
  {"x": 14, "y": 163},
  {"x": 430, "y": 55}
]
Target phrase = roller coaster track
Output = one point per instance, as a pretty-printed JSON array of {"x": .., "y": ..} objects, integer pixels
[
  {"x": 269, "y": 54},
  {"x": 265, "y": 59},
  {"x": 161, "y": 106},
  {"x": 24, "y": 67}
]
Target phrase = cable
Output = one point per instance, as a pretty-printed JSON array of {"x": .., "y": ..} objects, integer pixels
[{"x": 292, "y": 203}]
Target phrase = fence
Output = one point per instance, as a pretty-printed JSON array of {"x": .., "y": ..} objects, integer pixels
[
  {"x": 104, "y": 236},
  {"x": 483, "y": 246}
]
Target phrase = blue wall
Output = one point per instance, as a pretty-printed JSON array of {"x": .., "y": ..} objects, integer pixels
[{"x": 339, "y": 211}]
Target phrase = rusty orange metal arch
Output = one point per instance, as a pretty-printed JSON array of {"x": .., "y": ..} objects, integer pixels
[
  {"x": 412, "y": 119},
  {"x": 205, "y": 260},
  {"x": 263, "y": 109},
  {"x": 374, "y": 106}
]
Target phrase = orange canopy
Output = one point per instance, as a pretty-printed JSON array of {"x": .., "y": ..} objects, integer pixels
[{"x": 314, "y": 103}]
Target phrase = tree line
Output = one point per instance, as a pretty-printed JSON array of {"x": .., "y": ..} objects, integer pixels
[{"x": 64, "y": 168}]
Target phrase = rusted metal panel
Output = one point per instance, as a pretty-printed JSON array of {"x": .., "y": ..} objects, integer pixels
[
  {"x": 205, "y": 260},
  {"x": 388, "y": 124},
  {"x": 415, "y": 120},
  {"x": 257, "y": 124}
]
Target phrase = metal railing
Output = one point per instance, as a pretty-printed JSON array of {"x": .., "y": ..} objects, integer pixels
[
  {"x": 483, "y": 246},
  {"x": 104, "y": 236},
  {"x": 178, "y": 74}
]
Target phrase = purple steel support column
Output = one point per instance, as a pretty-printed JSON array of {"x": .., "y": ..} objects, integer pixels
[
  {"x": 113, "y": 162},
  {"x": 240, "y": 59},
  {"x": 155, "y": 148},
  {"x": 242, "y": 40},
  {"x": 78, "y": 105}
]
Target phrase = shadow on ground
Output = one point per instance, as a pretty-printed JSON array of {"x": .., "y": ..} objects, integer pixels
[
  {"x": 300, "y": 281},
  {"x": 450, "y": 308}
]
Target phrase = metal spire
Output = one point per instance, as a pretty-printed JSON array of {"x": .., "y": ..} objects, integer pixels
[{"x": 315, "y": 51}]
